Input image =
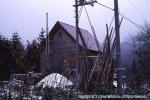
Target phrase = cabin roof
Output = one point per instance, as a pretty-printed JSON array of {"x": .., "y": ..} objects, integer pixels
[{"x": 88, "y": 37}]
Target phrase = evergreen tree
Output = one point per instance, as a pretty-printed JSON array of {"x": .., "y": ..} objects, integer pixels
[
  {"x": 32, "y": 57},
  {"x": 5, "y": 58},
  {"x": 41, "y": 39},
  {"x": 42, "y": 42},
  {"x": 13, "y": 57},
  {"x": 17, "y": 53},
  {"x": 33, "y": 52}
]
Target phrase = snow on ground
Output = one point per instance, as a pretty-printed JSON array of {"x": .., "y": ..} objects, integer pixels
[
  {"x": 115, "y": 83},
  {"x": 55, "y": 80}
]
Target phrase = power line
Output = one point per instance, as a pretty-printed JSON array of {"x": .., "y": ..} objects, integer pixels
[
  {"x": 130, "y": 1},
  {"x": 140, "y": 27},
  {"x": 105, "y": 6}
]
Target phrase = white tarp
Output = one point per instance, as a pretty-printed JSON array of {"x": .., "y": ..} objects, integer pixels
[{"x": 55, "y": 80}]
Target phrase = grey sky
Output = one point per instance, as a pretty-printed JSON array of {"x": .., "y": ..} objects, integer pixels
[{"x": 28, "y": 16}]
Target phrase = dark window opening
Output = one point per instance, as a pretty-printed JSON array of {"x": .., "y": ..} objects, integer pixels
[{"x": 60, "y": 34}]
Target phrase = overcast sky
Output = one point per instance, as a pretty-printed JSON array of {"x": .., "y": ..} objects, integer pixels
[{"x": 27, "y": 17}]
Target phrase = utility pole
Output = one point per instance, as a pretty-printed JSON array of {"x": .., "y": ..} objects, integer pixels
[
  {"x": 77, "y": 41},
  {"x": 77, "y": 4},
  {"x": 118, "y": 51}
]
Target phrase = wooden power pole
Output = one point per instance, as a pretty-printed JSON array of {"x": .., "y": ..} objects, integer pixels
[
  {"x": 77, "y": 41},
  {"x": 118, "y": 50},
  {"x": 78, "y": 34}
]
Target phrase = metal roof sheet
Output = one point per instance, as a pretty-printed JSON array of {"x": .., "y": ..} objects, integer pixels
[{"x": 88, "y": 37}]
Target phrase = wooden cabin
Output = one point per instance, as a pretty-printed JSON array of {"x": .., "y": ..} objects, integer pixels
[{"x": 62, "y": 49}]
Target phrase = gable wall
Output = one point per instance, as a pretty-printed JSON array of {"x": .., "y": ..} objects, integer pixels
[{"x": 62, "y": 49}]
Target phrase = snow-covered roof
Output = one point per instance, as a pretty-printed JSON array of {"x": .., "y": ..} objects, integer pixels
[
  {"x": 88, "y": 37},
  {"x": 55, "y": 80}
]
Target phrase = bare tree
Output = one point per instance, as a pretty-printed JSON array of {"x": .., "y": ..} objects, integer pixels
[{"x": 141, "y": 63}]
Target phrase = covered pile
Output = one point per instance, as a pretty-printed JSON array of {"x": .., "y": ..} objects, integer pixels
[{"x": 55, "y": 80}]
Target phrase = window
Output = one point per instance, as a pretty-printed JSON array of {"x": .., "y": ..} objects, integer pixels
[{"x": 60, "y": 34}]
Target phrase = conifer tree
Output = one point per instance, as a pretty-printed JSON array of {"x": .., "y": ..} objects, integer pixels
[
  {"x": 17, "y": 53},
  {"x": 5, "y": 58}
]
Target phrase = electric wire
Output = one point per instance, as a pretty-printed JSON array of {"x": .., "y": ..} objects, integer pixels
[
  {"x": 138, "y": 26},
  {"x": 130, "y": 1},
  {"x": 105, "y": 6}
]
